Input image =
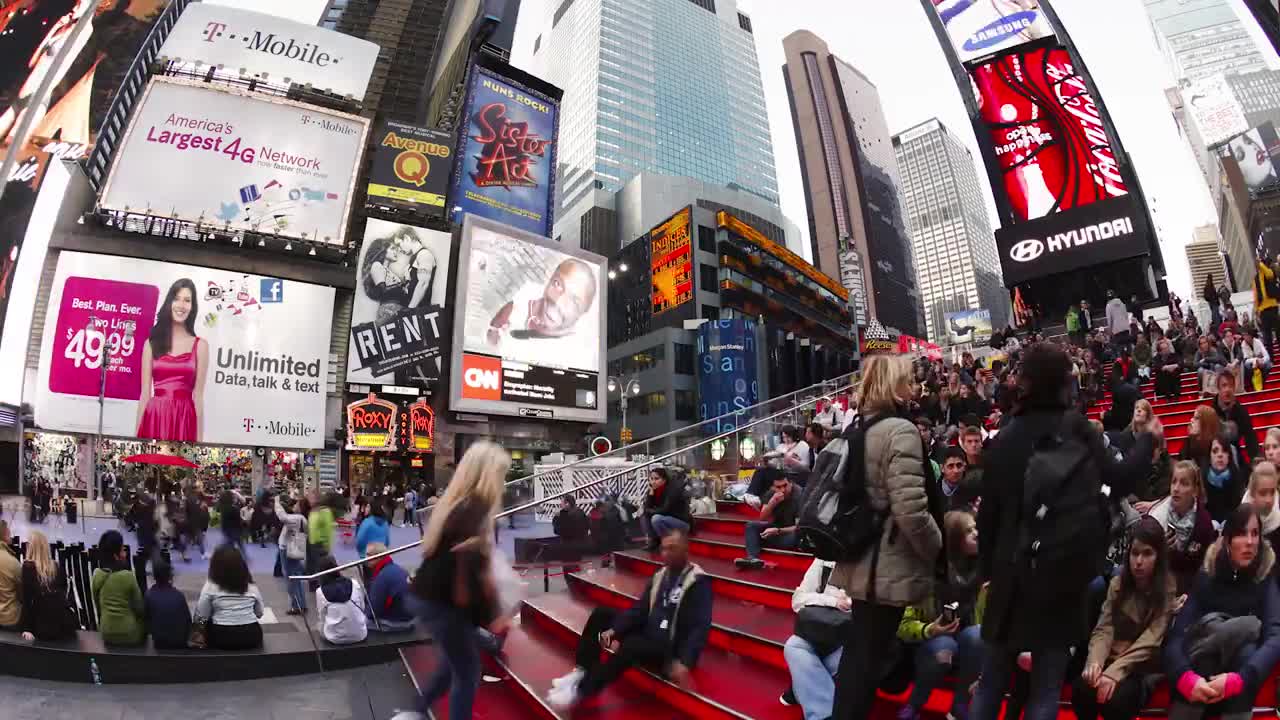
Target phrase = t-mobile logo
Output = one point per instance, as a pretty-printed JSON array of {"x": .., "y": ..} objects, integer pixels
[
  {"x": 213, "y": 30},
  {"x": 248, "y": 424}
]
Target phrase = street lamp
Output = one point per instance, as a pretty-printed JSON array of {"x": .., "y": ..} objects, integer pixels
[
  {"x": 624, "y": 387},
  {"x": 106, "y": 353}
]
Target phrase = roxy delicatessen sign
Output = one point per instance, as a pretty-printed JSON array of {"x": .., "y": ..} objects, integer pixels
[{"x": 379, "y": 424}]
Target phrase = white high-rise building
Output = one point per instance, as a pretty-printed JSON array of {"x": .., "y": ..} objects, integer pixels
[
  {"x": 662, "y": 86},
  {"x": 957, "y": 267},
  {"x": 1201, "y": 38}
]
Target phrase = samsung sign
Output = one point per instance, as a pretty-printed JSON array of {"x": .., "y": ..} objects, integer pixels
[
  {"x": 272, "y": 49},
  {"x": 1101, "y": 232}
]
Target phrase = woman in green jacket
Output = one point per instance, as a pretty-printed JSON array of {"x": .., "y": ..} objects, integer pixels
[
  {"x": 116, "y": 594},
  {"x": 945, "y": 631}
]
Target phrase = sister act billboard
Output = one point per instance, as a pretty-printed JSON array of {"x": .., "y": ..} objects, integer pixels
[{"x": 191, "y": 354}]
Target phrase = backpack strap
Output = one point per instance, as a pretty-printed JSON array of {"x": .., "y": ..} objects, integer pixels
[{"x": 826, "y": 575}]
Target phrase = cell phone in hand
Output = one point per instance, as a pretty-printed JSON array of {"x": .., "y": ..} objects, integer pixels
[{"x": 949, "y": 612}]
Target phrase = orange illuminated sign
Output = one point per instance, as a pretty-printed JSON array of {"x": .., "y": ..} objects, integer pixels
[
  {"x": 750, "y": 234},
  {"x": 671, "y": 262}
]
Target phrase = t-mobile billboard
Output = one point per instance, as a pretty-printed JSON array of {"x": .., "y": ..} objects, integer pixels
[{"x": 1046, "y": 133}]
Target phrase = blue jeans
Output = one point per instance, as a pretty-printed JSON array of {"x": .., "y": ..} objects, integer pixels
[
  {"x": 966, "y": 657},
  {"x": 1048, "y": 669},
  {"x": 459, "y": 670},
  {"x": 783, "y": 541},
  {"x": 297, "y": 594},
  {"x": 811, "y": 677},
  {"x": 659, "y": 525}
]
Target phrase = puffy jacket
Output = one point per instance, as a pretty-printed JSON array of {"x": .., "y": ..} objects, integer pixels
[
  {"x": 917, "y": 617},
  {"x": 373, "y": 529},
  {"x": 1262, "y": 300},
  {"x": 1219, "y": 589},
  {"x": 389, "y": 591},
  {"x": 340, "y": 606},
  {"x": 911, "y": 541}
]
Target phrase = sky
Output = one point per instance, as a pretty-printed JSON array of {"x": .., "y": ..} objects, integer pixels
[{"x": 893, "y": 44}]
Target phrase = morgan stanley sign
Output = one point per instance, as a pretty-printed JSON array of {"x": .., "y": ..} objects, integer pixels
[
  {"x": 1100, "y": 232},
  {"x": 271, "y": 49}
]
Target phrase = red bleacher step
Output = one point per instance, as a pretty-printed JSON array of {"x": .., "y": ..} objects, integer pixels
[{"x": 766, "y": 587}]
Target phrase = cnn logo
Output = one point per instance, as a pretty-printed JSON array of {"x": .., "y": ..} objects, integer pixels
[{"x": 482, "y": 379}]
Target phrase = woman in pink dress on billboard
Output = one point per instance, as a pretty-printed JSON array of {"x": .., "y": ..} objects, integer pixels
[{"x": 173, "y": 370}]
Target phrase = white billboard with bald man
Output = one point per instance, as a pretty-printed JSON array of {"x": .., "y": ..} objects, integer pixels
[{"x": 529, "y": 329}]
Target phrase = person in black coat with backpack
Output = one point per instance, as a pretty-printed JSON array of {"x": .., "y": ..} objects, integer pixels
[{"x": 1021, "y": 597}]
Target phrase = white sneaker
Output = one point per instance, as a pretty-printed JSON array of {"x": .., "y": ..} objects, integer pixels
[
  {"x": 563, "y": 697},
  {"x": 408, "y": 715},
  {"x": 573, "y": 678}
]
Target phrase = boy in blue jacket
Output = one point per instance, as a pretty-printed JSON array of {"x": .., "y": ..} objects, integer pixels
[{"x": 666, "y": 629}]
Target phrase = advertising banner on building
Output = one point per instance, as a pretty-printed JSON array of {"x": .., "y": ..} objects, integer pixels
[
  {"x": 1048, "y": 138},
  {"x": 1214, "y": 109},
  {"x": 529, "y": 332},
  {"x": 506, "y": 161},
  {"x": 410, "y": 166},
  {"x": 1257, "y": 153},
  {"x": 1096, "y": 233},
  {"x": 191, "y": 354},
  {"x": 968, "y": 326},
  {"x": 978, "y": 28},
  {"x": 727, "y": 372},
  {"x": 671, "y": 262},
  {"x": 397, "y": 318},
  {"x": 272, "y": 49},
  {"x": 240, "y": 161}
]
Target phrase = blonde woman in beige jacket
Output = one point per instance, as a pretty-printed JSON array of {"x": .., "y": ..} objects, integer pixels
[{"x": 910, "y": 542}]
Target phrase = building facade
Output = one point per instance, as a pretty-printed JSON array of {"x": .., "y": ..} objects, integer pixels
[
  {"x": 957, "y": 267},
  {"x": 1205, "y": 259},
  {"x": 1201, "y": 38},
  {"x": 406, "y": 32},
  {"x": 851, "y": 183},
  {"x": 663, "y": 86}
]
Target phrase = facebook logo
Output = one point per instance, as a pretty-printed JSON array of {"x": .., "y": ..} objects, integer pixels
[{"x": 272, "y": 290}]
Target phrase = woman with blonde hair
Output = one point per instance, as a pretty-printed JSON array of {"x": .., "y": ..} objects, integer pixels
[
  {"x": 45, "y": 613},
  {"x": 454, "y": 583},
  {"x": 909, "y": 541}
]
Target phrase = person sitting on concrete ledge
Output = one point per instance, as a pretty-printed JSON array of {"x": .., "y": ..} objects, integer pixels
[
  {"x": 116, "y": 593},
  {"x": 666, "y": 628},
  {"x": 10, "y": 582},
  {"x": 389, "y": 594},
  {"x": 340, "y": 605},
  {"x": 168, "y": 617}
]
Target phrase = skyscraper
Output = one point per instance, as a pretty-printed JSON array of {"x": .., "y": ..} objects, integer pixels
[
  {"x": 851, "y": 184},
  {"x": 665, "y": 86},
  {"x": 1200, "y": 38},
  {"x": 406, "y": 32},
  {"x": 957, "y": 267}
]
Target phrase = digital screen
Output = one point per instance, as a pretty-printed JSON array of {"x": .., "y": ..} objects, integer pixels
[
  {"x": 529, "y": 329},
  {"x": 671, "y": 264},
  {"x": 968, "y": 326},
  {"x": 1048, "y": 138},
  {"x": 978, "y": 28},
  {"x": 1257, "y": 153}
]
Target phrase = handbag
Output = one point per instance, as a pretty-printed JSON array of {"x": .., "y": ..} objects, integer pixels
[
  {"x": 199, "y": 638},
  {"x": 295, "y": 547},
  {"x": 821, "y": 626}
]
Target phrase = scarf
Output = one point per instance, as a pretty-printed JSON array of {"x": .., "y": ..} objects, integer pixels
[
  {"x": 1182, "y": 525},
  {"x": 1270, "y": 521},
  {"x": 1217, "y": 478}
]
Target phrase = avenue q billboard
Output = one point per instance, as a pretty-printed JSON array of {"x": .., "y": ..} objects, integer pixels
[
  {"x": 240, "y": 161},
  {"x": 271, "y": 49}
]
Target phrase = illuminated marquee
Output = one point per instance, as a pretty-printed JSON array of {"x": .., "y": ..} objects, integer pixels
[
  {"x": 671, "y": 262},
  {"x": 753, "y": 236},
  {"x": 371, "y": 424}
]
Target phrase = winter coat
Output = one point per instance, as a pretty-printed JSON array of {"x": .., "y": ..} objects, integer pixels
[
  {"x": 340, "y": 607},
  {"x": 1262, "y": 300},
  {"x": 1117, "y": 317},
  {"x": 45, "y": 612},
  {"x": 1244, "y": 424},
  {"x": 10, "y": 587},
  {"x": 1018, "y": 602},
  {"x": 389, "y": 592},
  {"x": 687, "y": 635},
  {"x": 1218, "y": 588},
  {"x": 1129, "y": 632},
  {"x": 372, "y": 529},
  {"x": 120, "y": 606},
  {"x": 911, "y": 541},
  {"x": 672, "y": 501},
  {"x": 916, "y": 618}
]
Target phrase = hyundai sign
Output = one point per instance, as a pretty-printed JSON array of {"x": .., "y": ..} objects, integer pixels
[{"x": 1101, "y": 232}]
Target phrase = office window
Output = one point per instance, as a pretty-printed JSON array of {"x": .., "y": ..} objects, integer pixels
[
  {"x": 707, "y": 278},
  {"x": 744, "y": 22},
  {"x": 710, "y": 312},
  {"x": 683, "y": 358},
  {"x": 706, "y": 239},
  {"x": 686, "y": 405}
]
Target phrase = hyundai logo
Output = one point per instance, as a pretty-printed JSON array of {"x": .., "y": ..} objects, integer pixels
[{"x": 1026, "y": 250}]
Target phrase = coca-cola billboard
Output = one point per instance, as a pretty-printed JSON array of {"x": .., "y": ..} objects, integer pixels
[{"x": 1046, "y": 131}]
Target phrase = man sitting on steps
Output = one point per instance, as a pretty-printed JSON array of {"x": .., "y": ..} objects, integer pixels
[
  {"x": 776, "y": 527},
  {"x": 665, "y": 629}
]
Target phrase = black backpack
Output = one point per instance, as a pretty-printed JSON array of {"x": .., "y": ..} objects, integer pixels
[
  {"x": 1066, "y": 524},
  {"x": 837, "y": 521}
]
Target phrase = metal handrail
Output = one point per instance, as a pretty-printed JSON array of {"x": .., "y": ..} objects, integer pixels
[
  {"x": 593, "y": 483},
  {"x": 687, "y": 428}
]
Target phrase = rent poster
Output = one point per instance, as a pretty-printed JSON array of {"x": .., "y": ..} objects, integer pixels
[{"x": 506, "y": 159}]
